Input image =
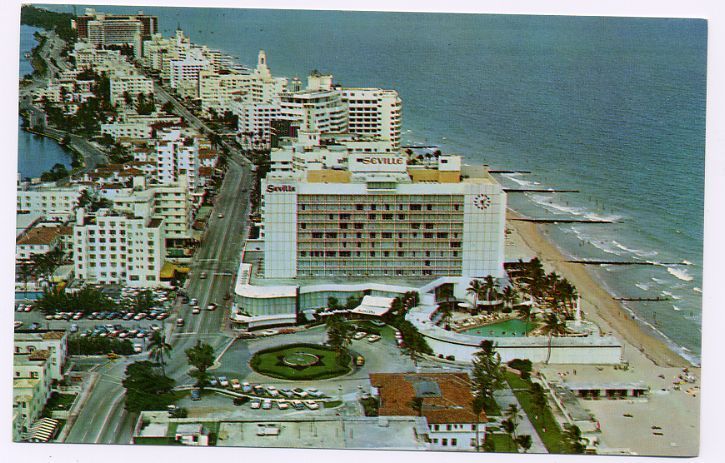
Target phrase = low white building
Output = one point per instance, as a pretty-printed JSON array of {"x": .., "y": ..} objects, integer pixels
[
  {"x": 137, "y": 126},
  {"x": 48, "y": 200},
  {"x": 445, "y": 402},
  {"x": 55, "y": 342}
]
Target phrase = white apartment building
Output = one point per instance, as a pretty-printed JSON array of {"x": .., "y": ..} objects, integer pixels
[
  {"x": 381, "y": 218},
  {"x": 177, "y": 155},
  {"x": 54, "y": 342},
  {"x": 31, "y": 386},
  {"x": 118, "y": 248},
  {"x": 137, "y": 126},
  {"x": 48, "y": 200},
  {"x": 87, "y": 56},
  {"x": 131, "y": 82},
  {"x": 169, "y": 203},
  {"x": 319, "y": 108},
  {"x": 254, "y": 123},
  {"x": 219, "y": 91},
  {"x": 374, "y": 112},
  {"x": 188, "y": 69}
]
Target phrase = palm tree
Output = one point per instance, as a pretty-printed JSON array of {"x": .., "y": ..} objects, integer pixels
[
  {"x": 417, "y": 405},
  {"x": 525, "y": 311},
  {"x": 512, "y": 414},
  {"x": 524, "y": 442},
  {"x": 510, "y": 296},
  {"x": 24, "y": 274},
  {"x": 553, "y": 326},
  {"x": 573, "y": 437},
  {"x": 475, "y": 288},
  {"x": 477, "y": 407},
  {"x": 490, "y": 287},
  {"x": 158, "y": 348}
]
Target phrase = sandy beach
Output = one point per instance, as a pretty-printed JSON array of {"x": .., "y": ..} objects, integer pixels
[
  {"x": 667, "y": 423},
  {"x": 597, "y": 304}
]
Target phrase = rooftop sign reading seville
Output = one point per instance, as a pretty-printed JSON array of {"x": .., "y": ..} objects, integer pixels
[
  {"x": 383, "y": 160},
  {"x": 280, "y": 189},
  {"x": 377, "y": 163}
]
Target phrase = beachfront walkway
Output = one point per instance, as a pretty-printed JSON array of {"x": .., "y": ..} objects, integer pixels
[{"x": 506, "y": 397}]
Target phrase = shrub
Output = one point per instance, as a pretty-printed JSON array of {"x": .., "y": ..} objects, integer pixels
[{"x": 523, "y": 365}]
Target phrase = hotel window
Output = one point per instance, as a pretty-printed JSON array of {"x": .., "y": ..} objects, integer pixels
[
  {"x": 444, "y": 442},
  {"x": 429, "y": 207},
  {"x": 454, "y": 442},
  {"x": 387, "y": 216},
  {"x": 448, "y": 427}
]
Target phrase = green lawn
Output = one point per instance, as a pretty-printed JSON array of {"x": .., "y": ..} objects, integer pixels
[
  {"x": 270, "y": 362},
  {"x": 515, "y": 381},
  {"x": 544, "y": 422},
  {"x": 502, "y": 443}
]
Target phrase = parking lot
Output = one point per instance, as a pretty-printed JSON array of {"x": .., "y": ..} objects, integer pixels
[{"x": 126, "y": 322}]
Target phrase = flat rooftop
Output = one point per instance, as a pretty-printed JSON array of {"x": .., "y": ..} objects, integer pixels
[{"x": 351, "y": 433}]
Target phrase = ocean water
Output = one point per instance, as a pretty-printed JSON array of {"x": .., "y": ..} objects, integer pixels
[
  {"x": 613, "y": 107},
  {"x": 35, "y": 154}
]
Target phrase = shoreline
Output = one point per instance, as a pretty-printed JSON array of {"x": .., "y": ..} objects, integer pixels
[{"x": 597, "y": 304}]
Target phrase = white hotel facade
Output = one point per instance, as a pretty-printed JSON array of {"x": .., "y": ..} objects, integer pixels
[
  {"x": 382, "y": 218},
  {"x": 337, "y": 223}
]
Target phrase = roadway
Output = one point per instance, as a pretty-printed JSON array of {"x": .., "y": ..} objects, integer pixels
[{"x": 103, "y": 418}]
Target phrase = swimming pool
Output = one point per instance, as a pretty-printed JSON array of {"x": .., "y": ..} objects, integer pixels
[
  {"x": 509, "y": 328},
  {"x": 28, "y": 295}
]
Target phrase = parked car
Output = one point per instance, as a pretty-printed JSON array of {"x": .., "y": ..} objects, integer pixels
[
  {"x": 267, "y": 404},
  {"x": 359, "y": 360},
  {"x": 220, "y": 215},
  {"x": 213, "y": 382},
  {"x": 298, "y": 405},
  {"x": 282, "y": 404},
  {"x": 137, "y": 348},
  {"x": 314, "y": 392},
  {"x": 211, "y": 306},
  {"x": 256, "y": 404},
  {"x": 18, "y": 324},
  {"x": 373, "y": 338},
  {"x": 259, "y": 390},
  {"x": 196, "y": 310},
  {"x": 194, "y": 301},
  {"x": 312, "y": 405},
  {"x": 195, "y": 394},
  {"x": 299, "y": 392},
  {"x": 203, "y": 275},
  {"x": 246, "y": 387},
  {"x": 271, "y": 390},
  {"x": 287, "y": 393},
  {"x": 235, "y": 383},
  {"x": 223, "y": 381},
  {"x": 359, "y": 335},
  {"x": 128, "y": 316},
  {"x": 179, "y": 322}
]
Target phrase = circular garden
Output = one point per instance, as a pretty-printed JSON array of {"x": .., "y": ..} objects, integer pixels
[{"x": 301, "y": 362}]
